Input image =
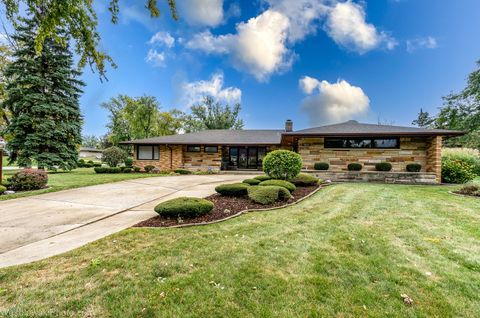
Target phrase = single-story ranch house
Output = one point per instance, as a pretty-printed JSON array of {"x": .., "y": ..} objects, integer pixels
[{"x": 337, "y": 145}]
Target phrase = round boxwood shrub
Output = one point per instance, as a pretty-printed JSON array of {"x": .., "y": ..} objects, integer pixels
[
  {"x": 28, "y": 179},
  {"x": 128, "y": 162},
  {"x": 355, "y": 166},
  {"x": 280, "y": 183},
  {"x": 2, "y": 189},
  {"x": 149, "y": 168},
  {"x": 184, "y": 207},
  {"x": 182, "y": 171},
  {"x": 282, "y": 164},
  {"x": 263, "y": 177},
  {"x": 137, "y": 169},
  {"x": 81, "y": 163},
  {"x": 100, "y": 169},
  {"x": 414, "y": 167},
  {"x": 383, "y": 166},
  {"x": 456, "y": 171},
  {"x": 127, "y": 170},
  {"x": 268, "y": 194},
  {"x": 321, "y": 166},
  {"x": 251, "y": 181},
  {"x": 233, "y": 189},
  {"x": 113, "y": 156},
  {"x": 304, "y": 180}
]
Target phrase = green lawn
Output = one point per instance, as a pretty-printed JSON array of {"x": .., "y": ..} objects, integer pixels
[
  {"x": 74, "y": 179},
  {"x": 349, "y": 251}
]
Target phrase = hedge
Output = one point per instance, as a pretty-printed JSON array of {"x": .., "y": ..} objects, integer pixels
[
  {"x": 282, "y": 164},
  {"x": 304, "y": 180},
  {"x": 268, "y": 194},
  {"x": 101, "y": 170},
  {"x": 184, "y": 207},
  {"x": 251, "y": 181},
  {"x": 281, "y": 183},
  {"x": 182, "y": 171},
  {"x": 321, "y": 166},
  {"x": 233, "y": 189}
]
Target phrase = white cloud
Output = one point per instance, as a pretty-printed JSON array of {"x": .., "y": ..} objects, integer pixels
[
  {"x": 194, "y": 92},
  {"x": 347, "y": 26},
  {"x": 258, "y": 47},
  {"x": 155, "y": 58},
  {"x": 201, "y": 12},
  {"x": 334, "y": 102},
  {"x": 421, "y": 43},
  {"x": 162, "y": 38}
]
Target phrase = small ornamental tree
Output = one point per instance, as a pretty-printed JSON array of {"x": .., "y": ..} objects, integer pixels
[
  {"x": 282, "y": 164},
  {"x": 113, "y": 156}
]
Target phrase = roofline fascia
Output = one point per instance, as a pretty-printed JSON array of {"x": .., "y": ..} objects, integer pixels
[{"x": 413, "y": 134}]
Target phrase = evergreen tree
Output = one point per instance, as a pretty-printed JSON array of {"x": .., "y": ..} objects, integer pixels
[
  {"x": 423, "y": 120},
  {"x": 43, "y": 93}
]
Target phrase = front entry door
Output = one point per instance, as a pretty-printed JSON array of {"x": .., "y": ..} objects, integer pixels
[{"x": 246, "y": 157}]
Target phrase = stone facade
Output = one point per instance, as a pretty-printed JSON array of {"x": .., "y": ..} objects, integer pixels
[
  {"x": 412, "y": 150},
  {"x": 202, "y": 160},
  {"x": 375, "y": 176},
  {"x": 171, "y": 157}
]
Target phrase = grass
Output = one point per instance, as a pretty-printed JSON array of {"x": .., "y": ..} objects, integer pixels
[
  {"x": 77, "y": 178},
  {"x": 349, "y": 251}
]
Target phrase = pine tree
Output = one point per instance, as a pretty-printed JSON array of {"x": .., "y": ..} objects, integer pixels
[{"x": 43, "y": 94}]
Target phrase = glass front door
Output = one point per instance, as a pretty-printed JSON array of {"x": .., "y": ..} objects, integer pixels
[{"x": 246, "y": 157}]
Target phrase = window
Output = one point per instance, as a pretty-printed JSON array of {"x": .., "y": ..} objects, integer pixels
[
  {"x": 148, "y": 153},
  {"x": 193, "y": 148},
  {"x": 211, "y": 149},
  {"x": 379, "y": 143}
]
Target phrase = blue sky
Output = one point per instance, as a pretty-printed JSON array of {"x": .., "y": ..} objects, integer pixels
[{"x": 313, "y": 61}]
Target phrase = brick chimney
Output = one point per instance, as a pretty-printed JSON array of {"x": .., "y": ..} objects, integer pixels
[{"x": 289, "y": 125}]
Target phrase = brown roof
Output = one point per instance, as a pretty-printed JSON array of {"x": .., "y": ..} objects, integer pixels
[{"x": 353, "y": 128}]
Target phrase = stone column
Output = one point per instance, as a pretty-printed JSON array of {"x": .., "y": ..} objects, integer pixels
[{"x": 434, "y": 157}]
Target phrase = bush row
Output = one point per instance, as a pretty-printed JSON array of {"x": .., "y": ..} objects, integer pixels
[{"x": 381, "y": 166}]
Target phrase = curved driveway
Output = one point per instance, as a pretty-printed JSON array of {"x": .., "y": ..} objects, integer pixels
[{"x": 40, "y": 226}]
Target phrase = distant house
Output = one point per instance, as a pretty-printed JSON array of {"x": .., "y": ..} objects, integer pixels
[
  {"x": 338, "y": 145},
  {"x": 88, "y": 152}
]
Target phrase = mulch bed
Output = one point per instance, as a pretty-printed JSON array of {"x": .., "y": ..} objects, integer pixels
[{"x": 224, "y": 208}]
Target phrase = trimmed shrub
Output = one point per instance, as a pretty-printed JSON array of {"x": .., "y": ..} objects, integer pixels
[
  {"x": 263, "y": 177},
  {"x": 456, "y": 171},
  {"x": 127, "y": 170},
  {"x": 251, "y": 181},
  {"x": 81, "y": 163},
  {"x": 184, "y": 207},
  {"x": 321, "y": 166},
  {"x": 137, "y": 169},
  {"x": 100, "y": 169},
  {"x": 108, "y": 170},
  {"x": 414, "y": 167},
  {"x": 383, "y": 166},
  {"x": 97, "y": 164},
  {"x": 6, "y": 183},
  {"x": 282, "y": 164},
  {"x": 305, "y": 180},
  {"x": 113, "y": 156},
  {"x": 355, "y": 166},
  {"x": 268, "y": 194},
  {"x": 471, "y": 189},
  {"x": 2, "y": 189},
  {"x": 28, "y": 179},
  {"x": 149, "y": 168},
  {"x": 128, "y": 162},
  {"x": 182, "y": 171},
  {"x": 280, "y": 183},
  {"x": 233, "y": 189}
]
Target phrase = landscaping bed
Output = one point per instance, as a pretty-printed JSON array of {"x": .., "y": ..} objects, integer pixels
[{"x": 225, "y": 207}]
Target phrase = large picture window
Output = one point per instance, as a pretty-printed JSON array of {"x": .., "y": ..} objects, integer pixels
[
  {"x": 379, "y": 143},
  {"x": 148, "y": 152}
]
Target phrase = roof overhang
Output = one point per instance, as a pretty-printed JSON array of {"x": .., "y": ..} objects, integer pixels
[
  {"x": 134, "y": 142},
  {"x": 373, "y": 134}
]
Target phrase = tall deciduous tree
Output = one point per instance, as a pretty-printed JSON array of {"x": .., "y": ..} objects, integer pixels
[
  {"x": 212, "y": 115},
  {"x": 78, "y": 19},
  {"x": 43, "y": 93}
]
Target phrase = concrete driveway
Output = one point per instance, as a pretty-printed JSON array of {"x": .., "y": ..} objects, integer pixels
[{"x": 41, "y": 226}]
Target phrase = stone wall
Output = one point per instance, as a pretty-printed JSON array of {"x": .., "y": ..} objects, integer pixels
[
  {"x": 434, "y": 157},
  {"x": 202, "y": 160},
  {"x": 170, "y": 158},
  {"x": 412, "y": 150},
  {"x": 376, "y": 176}
]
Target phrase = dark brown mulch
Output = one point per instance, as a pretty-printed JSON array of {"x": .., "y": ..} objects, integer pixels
[{"x": 225, "y": 207}]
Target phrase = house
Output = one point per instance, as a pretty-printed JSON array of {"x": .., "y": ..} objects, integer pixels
[
  {"x": 338, "y": 145},
  {"x": 88, "y": 152}
]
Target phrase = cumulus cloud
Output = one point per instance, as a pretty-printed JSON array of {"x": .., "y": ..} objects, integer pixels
[
  {"x": 194, "y": 92},
  {"x": 201, "y": 12},
  {"x": 332, "y": 102},
  {"x": 155, "y": 58},
  {"x": 421, "y": 43},
  {"x": 162, "y": 38},
  {"x": 346, "y": 25},
  {"x": 258, "y": 47}
]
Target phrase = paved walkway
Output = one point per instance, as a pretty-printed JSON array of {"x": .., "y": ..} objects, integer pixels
[{"x": 41, "y": 226}]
